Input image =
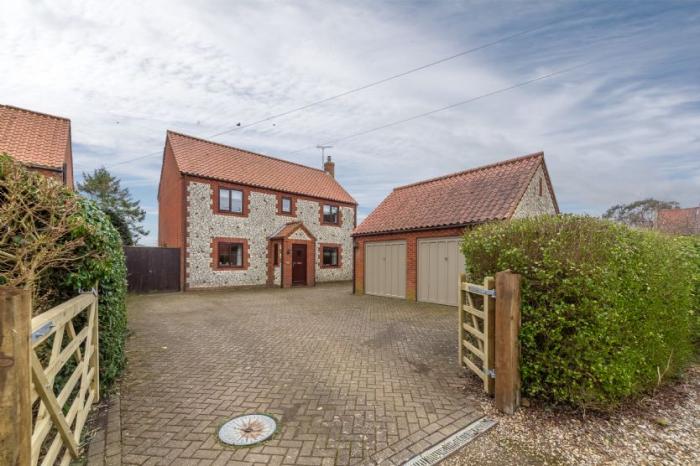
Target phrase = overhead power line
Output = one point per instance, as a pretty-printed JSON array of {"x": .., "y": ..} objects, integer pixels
[
  {"x": 361, "y": 88},
  {"x": 470, "y": 100},
  {"x": 451, "y": 106}
]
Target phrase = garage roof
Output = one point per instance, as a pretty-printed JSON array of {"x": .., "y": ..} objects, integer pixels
[
  {"x": 208, "y": 159},
  {"x": 491, "y": 192}
]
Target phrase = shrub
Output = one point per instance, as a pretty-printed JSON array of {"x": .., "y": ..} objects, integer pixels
[
  {"x": 57, "y": 244},
  {"x": 607, "y": 311},
  {"x": 693, "y": 251}
]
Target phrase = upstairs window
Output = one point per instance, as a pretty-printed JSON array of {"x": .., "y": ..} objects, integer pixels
[
  {"x": 331, "y": 256},
  {"x": 541, "y": 191},
  {"x": 230, "y": 200},
  {"x": 230, "y": 255},
  {"x": 330, "y": 214},
  {"x": 286, "y": 205}
]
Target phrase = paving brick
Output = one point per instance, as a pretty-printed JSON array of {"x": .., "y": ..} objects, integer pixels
[{"x": 352, "y": 379}]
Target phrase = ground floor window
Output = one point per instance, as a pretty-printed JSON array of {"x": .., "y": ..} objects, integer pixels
[
  {"x": 331, "y": 256},
  {"x": 230, "y": 255},
  {"x": 276, "y": 257}
]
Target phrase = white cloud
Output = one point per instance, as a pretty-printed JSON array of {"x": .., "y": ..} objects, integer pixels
[{"x": 619, "y": 129}]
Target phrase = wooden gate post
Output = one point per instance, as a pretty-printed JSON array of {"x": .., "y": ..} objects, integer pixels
[
  {"x": 15, "y": 377},
  {"x": 507, "y": 341}
]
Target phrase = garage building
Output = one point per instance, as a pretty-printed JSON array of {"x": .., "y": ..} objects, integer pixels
[{"x": 409, "y": 246}]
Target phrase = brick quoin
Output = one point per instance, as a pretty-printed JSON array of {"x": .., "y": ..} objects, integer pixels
[{"x": 411, "y": 239}]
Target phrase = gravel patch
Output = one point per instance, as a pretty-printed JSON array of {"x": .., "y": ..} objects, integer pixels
[{"x": 663, "y": 429}]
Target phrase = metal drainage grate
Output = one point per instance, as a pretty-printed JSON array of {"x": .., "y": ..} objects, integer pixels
[
  {"x": 247, "y": 430},
  {"x": 452, "y": 443}
]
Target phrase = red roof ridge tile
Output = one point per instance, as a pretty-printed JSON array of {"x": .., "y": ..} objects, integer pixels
[
  {"x": 472, "y": 170},
  {"x": 12, "y": 107},
  {"x": 242, "y": 150}
]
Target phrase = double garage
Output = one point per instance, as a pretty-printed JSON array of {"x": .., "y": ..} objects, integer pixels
[
  {"x": 409, "y": 246},
  {"x": 426, "y": 269}
]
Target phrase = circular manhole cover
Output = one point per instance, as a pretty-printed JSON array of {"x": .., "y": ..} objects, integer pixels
[{"x": 247, "y": 430}]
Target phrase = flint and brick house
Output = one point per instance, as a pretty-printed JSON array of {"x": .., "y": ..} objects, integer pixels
[
  {"x": 246, "y": 219},
  {"x": 38, "y": 141},
  {"x": 408, "y": 247},
  {"x": 679, "y": 221}
]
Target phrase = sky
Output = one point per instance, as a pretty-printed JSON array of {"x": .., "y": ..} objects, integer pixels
[{"x": 618, "y": 120}]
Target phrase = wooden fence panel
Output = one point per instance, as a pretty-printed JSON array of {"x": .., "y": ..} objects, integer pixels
[{"x": 152, "y": 269}]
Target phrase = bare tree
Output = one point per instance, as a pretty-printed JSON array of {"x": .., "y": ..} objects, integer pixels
[
  {"x": 40, "y": 224},
  {"x": 640, "y": 214}
]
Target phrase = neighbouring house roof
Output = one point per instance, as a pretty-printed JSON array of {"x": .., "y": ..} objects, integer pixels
[
  {"x": 288, "y": 228},
  {"x": 34, "y": 139},
  {"x": 208, "y": 159},
  {"x": 679, "y": 221},
  {"x": 491, "y": 192}
]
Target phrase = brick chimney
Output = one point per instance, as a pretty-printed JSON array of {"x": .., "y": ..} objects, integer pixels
[{"x": 329, "y": 167}]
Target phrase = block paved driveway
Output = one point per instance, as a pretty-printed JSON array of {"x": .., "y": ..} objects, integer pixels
[{"x": 352, "y": 379}]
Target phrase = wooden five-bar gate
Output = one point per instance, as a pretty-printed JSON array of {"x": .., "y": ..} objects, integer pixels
[
  {"x": 42, "y": 419},
  {"x": 489, "y": 324}
]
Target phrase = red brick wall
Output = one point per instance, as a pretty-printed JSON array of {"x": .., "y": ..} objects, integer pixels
[
  {"x": 58, "y": 176},
  {"x": 411, "y": 239},
  {"x": 171, "y": 210},
  {"x": 69, "y": 165},
  {"x": 170, "y": 203}
]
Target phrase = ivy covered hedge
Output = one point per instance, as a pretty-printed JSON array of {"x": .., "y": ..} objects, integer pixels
[
  {"x": 102, "y": 261},
  {"x": 56, "y": 244},
  {"x": 608, "y": 312}
]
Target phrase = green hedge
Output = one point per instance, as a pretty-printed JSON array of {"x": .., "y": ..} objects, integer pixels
[
  {"x": 693, "y": 253},
  {"x": 605, "y": 308},
  {"x": 103, "y": 262},
  {"x": 80, "y": 247}
]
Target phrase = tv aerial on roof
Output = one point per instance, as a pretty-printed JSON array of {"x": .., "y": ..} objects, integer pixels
[{"x": 323, "y": 152}]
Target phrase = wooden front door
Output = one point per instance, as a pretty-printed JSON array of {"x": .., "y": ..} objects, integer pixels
[{"x": 298, "y": 264}]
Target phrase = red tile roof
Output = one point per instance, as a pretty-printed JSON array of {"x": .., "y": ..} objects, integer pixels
[
  {"x": 491, "y": 192},
  {"x": 208, "y": 159},
  {"x": 34, "y": 139},
  {"x": 679, "y": 221},
  {"x": 289, "y": 228}
]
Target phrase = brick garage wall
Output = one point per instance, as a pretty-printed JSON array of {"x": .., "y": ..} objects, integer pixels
[
  {"x": 411, "y": 239},
  {"x": 532, "y": 202},
  {"x": 261, "y": 222}
]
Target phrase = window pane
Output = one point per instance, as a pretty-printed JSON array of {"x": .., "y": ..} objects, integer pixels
[
  {"x": 230, "y": 255},
  {"x": 224, "y": 251},
  {"x": 237, "y": 253},
  {"x": 330, "y": 256},
  {"x": 236, "y": 201},
  {"x": 286, "y": 204},
  {"x": 224, "y": 203},
  {"x": 330, "y": 214}
]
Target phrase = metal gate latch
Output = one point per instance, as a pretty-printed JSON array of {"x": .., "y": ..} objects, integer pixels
[{"x": 41, "y": 331}]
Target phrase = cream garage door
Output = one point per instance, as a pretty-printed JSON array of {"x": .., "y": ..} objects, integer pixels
[
  {"x": 439, "y": 264},
  {"x": 385, "y": 268}
]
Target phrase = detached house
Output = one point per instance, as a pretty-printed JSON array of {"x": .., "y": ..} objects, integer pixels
[
  {"x": 38, "y": 141},
  {"x": 245, "y": 219},
  {"x": 408, "y": 247}
]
